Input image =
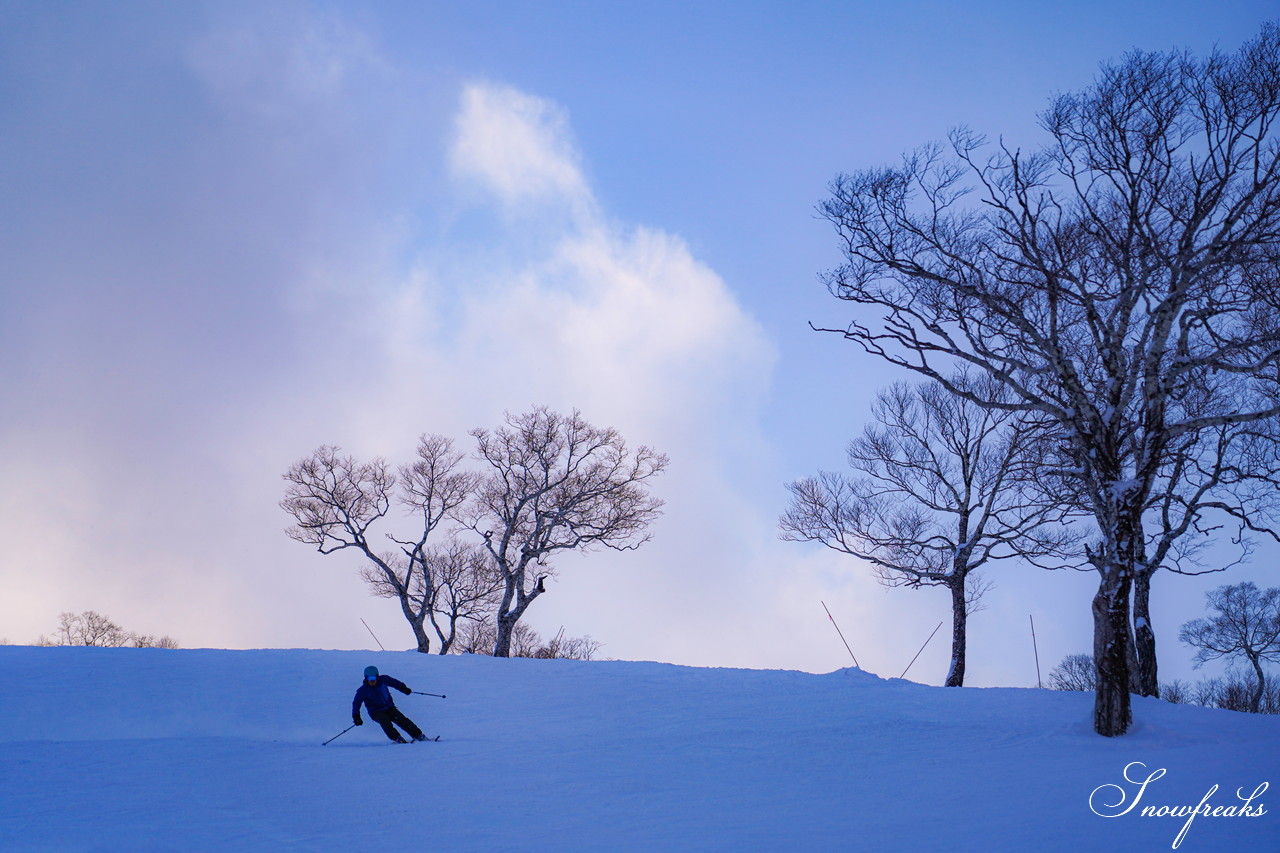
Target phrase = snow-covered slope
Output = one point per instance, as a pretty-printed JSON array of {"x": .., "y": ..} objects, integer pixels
[{"x": 147, "y": 749}]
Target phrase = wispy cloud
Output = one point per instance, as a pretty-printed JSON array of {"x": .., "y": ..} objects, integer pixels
[
  {"x": 518, "y": 147},
  {"x": 620, "y": 318}
]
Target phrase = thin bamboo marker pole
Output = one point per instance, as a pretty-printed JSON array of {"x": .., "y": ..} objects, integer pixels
[
  {"x": 842, "y": 639},
  {"x": 926, "y": 642},
  {"x": 371, "y": 634},
  {"x": 1035, "y": 648}
]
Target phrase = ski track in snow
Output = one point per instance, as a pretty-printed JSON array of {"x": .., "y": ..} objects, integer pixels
[{"x": 193, "y": 750}]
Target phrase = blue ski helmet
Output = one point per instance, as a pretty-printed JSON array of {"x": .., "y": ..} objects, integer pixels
[{"x": 370, "y": 673}]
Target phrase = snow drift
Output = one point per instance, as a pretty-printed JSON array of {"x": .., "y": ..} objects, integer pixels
[{"x": 149, "y": 749}]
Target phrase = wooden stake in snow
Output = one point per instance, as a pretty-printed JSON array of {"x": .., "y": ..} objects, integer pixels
[
  {"x": 371, "y": 634},
  {"x": 842, "y": 639},
  {"x": 1036, "y": 649},
  {"x": 926, "y": 642}
]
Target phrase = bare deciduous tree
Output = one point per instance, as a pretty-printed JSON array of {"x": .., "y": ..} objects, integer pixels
[
  {"x": 90, "y": 628},
  {"x": 938, "y": 493},
  {"x": 335, "y": 500},
  {"x": 463, "y": 585},
  {"x": 1099, "y": 278},
  {"x": 1246, "y": 624},
  {"x": 1074, "y": 672},
  {"x": 1207, "y": 500},
  {"x": 147, "y": 641},
  {"x": 555, "y": 483}
]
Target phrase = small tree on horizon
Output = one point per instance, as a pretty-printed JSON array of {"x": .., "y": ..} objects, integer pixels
[
  {"x": 1074, "y": 672},
  {"x": 1246, "y": 624}
]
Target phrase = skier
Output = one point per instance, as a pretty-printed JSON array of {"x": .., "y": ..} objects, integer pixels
[{"x": 382, "y": 709}]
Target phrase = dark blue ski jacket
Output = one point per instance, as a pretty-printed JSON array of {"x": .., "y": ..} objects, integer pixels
[{"x": 376, "y": 697}]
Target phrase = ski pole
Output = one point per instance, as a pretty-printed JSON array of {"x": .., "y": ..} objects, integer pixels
[
  {"x": 420, "y": 693},
  {"x": 339, "y": 734}
]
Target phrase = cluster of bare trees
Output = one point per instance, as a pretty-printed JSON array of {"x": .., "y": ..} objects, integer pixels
[
  {"x": 91, "y": 628},
  {"x": 1118, "y": 286},
  {"x": 480, "y": 637},
  {"x": 484, "y": 538},
  {"x": 1243, "y": 625}
]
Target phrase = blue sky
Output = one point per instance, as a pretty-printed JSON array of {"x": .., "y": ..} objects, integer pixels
[{"x": 235, "y": 231}]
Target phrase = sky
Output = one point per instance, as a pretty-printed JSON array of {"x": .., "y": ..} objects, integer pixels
[{"x": 233, "y": 232}]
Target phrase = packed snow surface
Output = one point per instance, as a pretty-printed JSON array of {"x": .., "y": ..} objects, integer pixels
[{"x": 151, "y": 749}]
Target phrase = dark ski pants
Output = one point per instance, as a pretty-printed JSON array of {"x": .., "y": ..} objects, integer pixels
[{"x": 386, "y": 718}]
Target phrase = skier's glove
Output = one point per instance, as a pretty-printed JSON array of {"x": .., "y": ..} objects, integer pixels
[
  {"x": 355, "y": 718},
  {"x": 405, "y": 690}
]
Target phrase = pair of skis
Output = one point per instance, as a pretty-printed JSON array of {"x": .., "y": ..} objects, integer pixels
[{"x": 435, "y": 739}]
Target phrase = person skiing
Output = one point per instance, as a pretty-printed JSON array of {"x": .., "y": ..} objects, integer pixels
[{"x": 376, "y": 696}]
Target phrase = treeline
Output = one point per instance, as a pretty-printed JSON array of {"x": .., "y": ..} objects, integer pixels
[
  {"x": 1233, "y": 691},
  {"x": 1243, "y": 627},
  {"x": 91, "y": 628}
]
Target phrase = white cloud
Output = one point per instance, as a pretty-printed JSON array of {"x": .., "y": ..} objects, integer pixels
[
  {"x": 623, "y": 322},
  {"x": 616, "y": 319},
  {"x": 519, "y": 148},
  {"x": 163, "y": 509}
]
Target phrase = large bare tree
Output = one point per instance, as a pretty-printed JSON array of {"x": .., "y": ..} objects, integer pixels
[
  {"x": 942, "y": 486},
  {"x": 555, "y": 483},
  {"x": 335, "y": 500},
  {"x": 1099, "y": 278}
]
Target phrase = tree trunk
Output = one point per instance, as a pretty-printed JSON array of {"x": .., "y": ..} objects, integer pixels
[
  {"x": 1146, "y": 680},
  {"x": 1132, "y": 658},
  {"x": 416, "y": 622},
  {"x": 1255, "y": 702},
  {"x": 424, "y": 640},
  {"x": 515, "y": 601},
  {"x": 959, "y": 617},
  {"x": 446, "y": 642},
  {"x": 506, "y": 624},
  {"x": 1111, "y": 710}
]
